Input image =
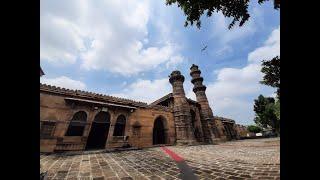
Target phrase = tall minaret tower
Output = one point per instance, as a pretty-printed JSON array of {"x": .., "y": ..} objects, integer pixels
[
  {"x": 181, "y": 110},
  {"x": 207, "y": 121}
]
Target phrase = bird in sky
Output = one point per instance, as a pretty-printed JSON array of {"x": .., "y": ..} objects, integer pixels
[{"x": 204, "y": 48}]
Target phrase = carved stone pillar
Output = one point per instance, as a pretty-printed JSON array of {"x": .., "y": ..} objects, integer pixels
[
  {"x": 181, "y": 110},
  {"x": 111, "y": 129},
  {"x": 207, "y": 121}
]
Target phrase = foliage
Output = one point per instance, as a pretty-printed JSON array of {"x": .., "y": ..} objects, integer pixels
[
  {"x": 277, "y": 109},
  {"x": 266, "y": 113},
  {"x": 254, "y": 129},
  {"x": 271, "y": 70},
  {"x": 268, "y": 110},
  {"x": 237, "y": 9}
]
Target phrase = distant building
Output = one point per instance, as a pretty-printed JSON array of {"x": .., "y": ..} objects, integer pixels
[
  {"x": 229, "y": 127},
  {"x": 242, "y": 131}
]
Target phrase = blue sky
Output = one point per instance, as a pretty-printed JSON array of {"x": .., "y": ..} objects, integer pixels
[{"x": 128, "y": 49}]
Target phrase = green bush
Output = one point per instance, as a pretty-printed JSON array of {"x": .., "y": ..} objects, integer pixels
[{"x": 254, "y": 129}]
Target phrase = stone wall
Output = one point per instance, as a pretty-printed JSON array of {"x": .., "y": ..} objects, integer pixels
[
  {"x": 185, "y": 121},
  {"x": 54, "y": 108},
  {"x": 146, "y": 117}
]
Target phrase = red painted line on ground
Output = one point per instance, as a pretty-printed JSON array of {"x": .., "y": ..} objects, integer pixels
[{"x": 173, "y": 155}]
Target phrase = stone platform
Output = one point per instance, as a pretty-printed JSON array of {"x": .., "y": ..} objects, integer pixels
[{"x": 243, "y": 159}]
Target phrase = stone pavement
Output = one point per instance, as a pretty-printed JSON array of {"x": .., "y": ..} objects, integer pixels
[{"x": 244, "y": 159}]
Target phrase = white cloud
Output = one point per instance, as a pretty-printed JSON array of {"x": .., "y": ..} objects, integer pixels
[
  {"x": 101, "y": 35},
  {"x": 150, "y": 90},
  {"x": 64, "y": 82},
  {"x": 146, "y": 90},
  {"x": 224, "y": 35},
  {"x": 228, "y": 95},
  {"x": 270, "y": 49},
  {"x": 227, "y": 49},
  {"x": 231, "y": 95},
  {"x": 234, "y": 90},
  {"x": 235, "y": 82},
  {"x": 60, "y": 41},
  {"x": 134, "y": 60},
  {"x": 174, "y": 61}
]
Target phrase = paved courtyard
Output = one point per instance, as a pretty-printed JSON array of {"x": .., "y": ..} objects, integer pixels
[{"x": 243, "y": 159}]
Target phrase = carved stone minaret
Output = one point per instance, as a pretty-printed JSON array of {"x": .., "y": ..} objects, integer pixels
[
  {"x": 181, "y": 110},
  {"x": 211, "y": 133}
]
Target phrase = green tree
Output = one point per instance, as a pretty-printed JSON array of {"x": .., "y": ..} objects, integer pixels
[
  {"x": 271, "y": 70},
  {"x": 266, "y": 113},
  {"x": 277, "y": 109},
  {"x": 254, "y": 129},
  {"x": 237, "y": 9}
]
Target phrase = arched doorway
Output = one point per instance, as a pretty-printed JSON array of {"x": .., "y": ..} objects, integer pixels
[
  {"x": 77, "y": 124},
  {"x": 159, "y": 131},
  {"x": 99, "y": 131}
]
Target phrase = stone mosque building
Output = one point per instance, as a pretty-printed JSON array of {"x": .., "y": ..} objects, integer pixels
[{"x": 74, "y": 120}]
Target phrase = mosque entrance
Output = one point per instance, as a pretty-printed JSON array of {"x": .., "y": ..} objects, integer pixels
[
  {"x": 159, "y": 131},
  {"x": 99, "y": 131}
]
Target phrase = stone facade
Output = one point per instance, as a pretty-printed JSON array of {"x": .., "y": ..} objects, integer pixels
[
  {"x": 228, "y": 128},
  {"x": 73, "y": 120},
  {"x": 57, "y": 108}
]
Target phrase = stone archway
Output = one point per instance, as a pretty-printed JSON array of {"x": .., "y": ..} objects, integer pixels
[
  {"x": 99, "y": 131},
  {"x": 159, "y": 131},
  {"x": 77, "y": 124}
]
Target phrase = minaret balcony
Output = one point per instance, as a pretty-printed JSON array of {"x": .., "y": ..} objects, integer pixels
[
  {"x": 195, "y": 79},
  {"x": 199, "y": 88},
  {"x": 176, "y": 76},
  {"x": 195, "y": 72}
]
